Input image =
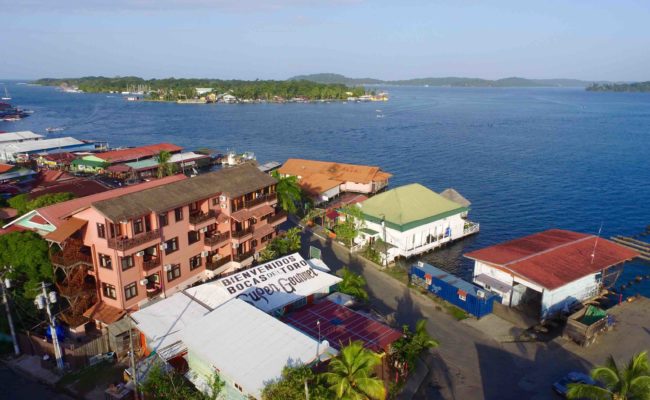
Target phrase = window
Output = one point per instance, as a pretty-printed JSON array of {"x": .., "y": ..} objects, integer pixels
[
  {"x": 108, "y": 290},
  {"x": 215, "y": 201},
  {"x": 115, "y": 229},
  {"x": 138, "y": 227},
  {"x": 174, "y": 272},
  {"x": 127, "y": 262},
  {"x": 193, "y": 237},
  {"x": 130, "y": 291},
  {"x": 195, "y": 262},
  {"x": 101, "y": 230},
  {"x": 178, "y": 214},
  {"x": 238, "y": 387},
  {"x": 105, "y": 261},
  {"x": 171, "y": 246},
  {"x": 163, "y": 219}
]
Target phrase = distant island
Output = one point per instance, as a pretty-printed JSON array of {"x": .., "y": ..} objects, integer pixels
[
  {"x": 620, "y": 87},
  {"x": 448, "y": 81},
  {"x": 208, "y": 90}
]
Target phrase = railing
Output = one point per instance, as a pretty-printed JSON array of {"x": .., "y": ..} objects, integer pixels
[
  {"x": 215, "y": 239},
  {"x": 277, "y": 216},
  {"x": 243, "y": 256},
  {"x": 470, "y": 227},
  {"x": 153, "y": 291},
  {"x": 69, "y": 259},
  {"x": 256, "y": 201},
  {"x": 241, "y": 233},
  {"x": 152, "y": 263},
  {"x": 212, "y": 265},
  {"x": 199, "y": 217},
  {"x": 129, "y": 243}
]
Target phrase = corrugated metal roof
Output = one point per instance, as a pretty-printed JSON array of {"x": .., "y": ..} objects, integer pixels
[
  {"x": 248, "y": 346},
  {"x": 234, "y": 181},
  {"x": 446, "y": 277},
  {"x": 17, "y": 136},
  {"x": 33, "y": 146},
  {"x": 337, "y": 171},
  {"x": 409, "y": 206},
  {"x": 65, "y": 230},
  {"x": 555, "y": 257},
  {"x": 453, "y": 195},
  {"x": 117, "y": 156}
]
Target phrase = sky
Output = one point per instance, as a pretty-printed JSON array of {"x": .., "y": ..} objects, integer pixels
[{"x": 277, "y": 39}]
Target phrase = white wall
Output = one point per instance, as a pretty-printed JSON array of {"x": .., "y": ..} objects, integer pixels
[
  {"x": 356, "y": 187},
  {"x": 506, "y": 278},
  {"x": 582, "y": 289}
]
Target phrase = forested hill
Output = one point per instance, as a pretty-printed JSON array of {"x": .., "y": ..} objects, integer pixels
[
  {"x": 620, "y": 87},
  {"x": 172, "y": 88},
  {"x": 446, "y": 81}
]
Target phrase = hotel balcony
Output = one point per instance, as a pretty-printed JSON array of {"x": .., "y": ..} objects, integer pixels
[
  {"x": 262, "y": 199},
  {"x": 123, "y": 244},
  {"x": 216, "y": 239},
  {"x": 278, "y": 218},
  {"x": 151, "y": 263},
  {"x": 242, "y": 234},
  {"x": 243, "y": 256},
  {"x": 199, "y": 220},
  {"x": 213, "y": 265}
]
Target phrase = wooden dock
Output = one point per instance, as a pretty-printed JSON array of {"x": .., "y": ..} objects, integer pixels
[{"x": 643, "y": 248}]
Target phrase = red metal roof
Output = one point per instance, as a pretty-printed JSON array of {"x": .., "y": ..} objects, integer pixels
[
  {"x": 117, "y": 156},
  {"x": 78, "y": 187},
  {"x": 5, "y": 167},
  {"x": 555, "y": 257},
  {"x": 339, "y": 325}
]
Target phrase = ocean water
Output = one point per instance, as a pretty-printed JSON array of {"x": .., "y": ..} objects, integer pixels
[{"x": 527, "y": 159}]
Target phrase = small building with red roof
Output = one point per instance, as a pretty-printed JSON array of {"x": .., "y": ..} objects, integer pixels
[
  {"x": 137, "y": 153},
  {"x": 549, "y": 272}
]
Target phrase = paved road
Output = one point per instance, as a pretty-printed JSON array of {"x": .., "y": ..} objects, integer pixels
[
  {"x": 468, "y": 364},
  {"x": 17, "y": 387}
]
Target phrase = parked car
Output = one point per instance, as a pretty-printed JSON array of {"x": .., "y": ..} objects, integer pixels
[{"x": 562, "y": 386}]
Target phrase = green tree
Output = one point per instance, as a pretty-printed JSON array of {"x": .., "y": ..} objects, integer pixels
[
  {"x": 267, "y": 254},
  {"x": 163, "y": 385},
  {"x": 293, "y": 239},
  {"x": 629, "y": 383},
  {"x": 353, "y": 284},
  {"x": 27, "y": 253},
  {"x": 351, "y": 375},
  {"x": 291, "y": 386},
  {"x": 348, "y": 230},
  {"x": 406, "y": 349},
  {"x": 23, "y": 205},
  {"x": 282, "y": 245},
  {"x": 288, "y": 191},
  {"x": 165, "y": 166}
]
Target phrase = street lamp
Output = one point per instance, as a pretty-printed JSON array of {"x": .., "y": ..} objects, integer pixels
[
  {"x": 6, "y": 284},
  {"x": 43, "y": 301}
]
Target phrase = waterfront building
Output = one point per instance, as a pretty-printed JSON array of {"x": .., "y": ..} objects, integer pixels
[
  {"x": 148, "y": 168},
  {"x": 324, "y": 180},
  {"x": 18, "y": 137},
  {"x": 89, "y": 164},
  {"x": 411, "y": 220},
  {"x": 20, "y": 151},
  {"x": 137, "y": 153},
  {"x": 547, "y": 273}
]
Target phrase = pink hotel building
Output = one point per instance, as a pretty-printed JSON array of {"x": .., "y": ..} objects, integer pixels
[{"x": 136, "y": 245}]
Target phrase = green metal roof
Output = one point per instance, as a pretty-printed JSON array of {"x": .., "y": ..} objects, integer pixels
[
  {"x": 409, "y": 206},
  {"x": 143, "y": 164},
  {"x": 89, "y": 163}
]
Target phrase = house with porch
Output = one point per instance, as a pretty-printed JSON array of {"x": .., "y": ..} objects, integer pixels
[
  {"x": 411, "y": 220},
  {"x": 547, "y": 273}
]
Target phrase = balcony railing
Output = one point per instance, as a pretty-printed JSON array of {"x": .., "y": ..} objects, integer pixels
[
  {"x": 69, "y": 259},
  {"x": 212, "y": 265},
  {"x": 470, "y": 228},
  {"x": 277, "y": 217},
  {"x": 151, "y": 263},
  {"x": 215, "y": 239},
  {"x": 243, "y": 256},
  {"x": 200, "y": 217},
  {"x": 256, "y": 201},
  {"x": 241, "y": 233},
  {"x": 129, "y": 243}
]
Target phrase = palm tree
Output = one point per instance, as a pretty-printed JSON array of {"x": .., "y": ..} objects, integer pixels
[
  {"x": 421, "y": 338},
  {"x": 630, "y": 383},
  {"x": 165, "y": 167},
  {"x": 353, "y": 284},
  {"x": 351, "y": 375},
  {"x": 288, "y": 191},
  {"x": 293, "y": 239}
]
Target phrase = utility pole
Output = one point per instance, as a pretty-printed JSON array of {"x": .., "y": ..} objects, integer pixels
[
  {"x": 383, "y": 228},
  {"x": 44, "y": 301},
  {"x": 132, "y": 357},
  {"x": 6, "y": 284}
]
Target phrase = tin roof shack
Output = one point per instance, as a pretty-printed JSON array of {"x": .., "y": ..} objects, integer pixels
[
  {"x": 456, "y": 291},
  {"x": 247, "y": 347},
  {"x": 547, "y": 273},
  {"x": 585, "y": 324}
]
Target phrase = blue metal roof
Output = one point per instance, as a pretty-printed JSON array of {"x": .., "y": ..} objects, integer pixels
[{"x": 451, "y": 279}]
